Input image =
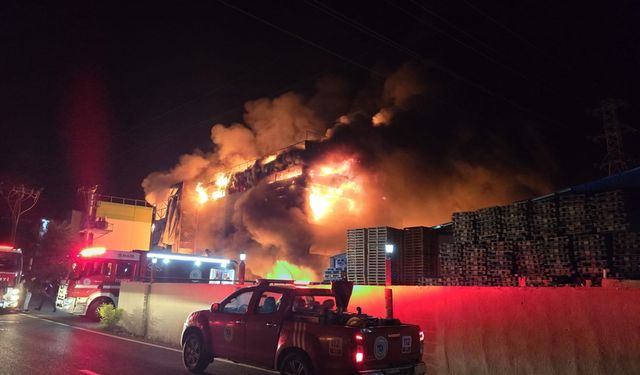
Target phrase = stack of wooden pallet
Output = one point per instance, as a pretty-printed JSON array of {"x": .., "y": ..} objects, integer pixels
[
  {"x": 590, "y": 253},
  {"x": 557, "y": 256},
  {"x": 464, "y": 227},
  {"x": 500, "y": 263},
  {"x": 626, "y": 255},
  {"x": 529, "y": 262},
  {"x": 609, "y": 212},
  {"x": 544, "y": 222},
  {"x": 451, "y": 266},
  {"x": 475, "y": 264},
  {"x": 516, "y": 221},
  {"x": 574, "y": 214},
  {"x": 490, "y": 224}
]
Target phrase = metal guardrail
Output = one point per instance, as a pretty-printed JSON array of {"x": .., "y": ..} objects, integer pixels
[{"x": 122, "y": 200}]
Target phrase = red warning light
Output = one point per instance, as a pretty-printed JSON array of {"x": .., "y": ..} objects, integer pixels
[{"x": 92, "y": 251}]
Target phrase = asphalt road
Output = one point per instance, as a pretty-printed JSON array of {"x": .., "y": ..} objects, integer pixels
[{"x": 45, "y": 343}]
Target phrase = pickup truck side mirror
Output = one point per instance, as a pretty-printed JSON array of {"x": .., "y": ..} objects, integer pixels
[{"x": 215, "y": 307}]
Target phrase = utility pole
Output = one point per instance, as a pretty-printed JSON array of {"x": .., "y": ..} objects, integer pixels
[
  {"x": 90, "y": 195},
  {"x": 20, "y": 199},
  {"x": 614, "y": 161}
]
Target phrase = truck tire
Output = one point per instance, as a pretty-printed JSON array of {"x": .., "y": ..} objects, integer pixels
[
  {"x": 194, "y": 354},
  {"x": 92, "y": 311},
  {"x": 296, "y": 364}
]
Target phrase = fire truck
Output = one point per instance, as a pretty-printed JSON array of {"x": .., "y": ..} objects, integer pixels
[
  {"x": 10, "y": 274},
  {"x": 301, "y": 330},
  {"x": 96, "y": 275}
]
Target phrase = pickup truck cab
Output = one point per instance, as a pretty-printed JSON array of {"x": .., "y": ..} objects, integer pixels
[{"x": 279, "y": 326}]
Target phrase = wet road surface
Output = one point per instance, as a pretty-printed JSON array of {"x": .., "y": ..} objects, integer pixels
[{"x": 46, "y": 343}]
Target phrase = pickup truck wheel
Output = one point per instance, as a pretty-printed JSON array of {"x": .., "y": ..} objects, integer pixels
[
  {"x": 194, "y": 355},
  {"x": 296, "y": 364}
]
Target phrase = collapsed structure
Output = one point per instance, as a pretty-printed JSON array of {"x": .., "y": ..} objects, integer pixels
[{"x": 175, "y": 224}]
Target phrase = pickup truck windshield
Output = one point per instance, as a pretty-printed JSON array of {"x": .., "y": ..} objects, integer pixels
[{"x": 313, "y": 304}]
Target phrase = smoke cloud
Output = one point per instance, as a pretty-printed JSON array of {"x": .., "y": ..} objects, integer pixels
[{"x": 399, "y": 90}]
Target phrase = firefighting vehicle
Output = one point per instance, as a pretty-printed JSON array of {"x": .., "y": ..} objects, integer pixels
[
  {"x": 10, "y": 274},
  {"x": 303, "y": 330},
  {"x": 96, "y": 275}
]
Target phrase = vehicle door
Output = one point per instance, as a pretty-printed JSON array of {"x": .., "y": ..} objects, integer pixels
[
  {"x": 263, "y": 327},
  {"x": 227, "y": 326}
]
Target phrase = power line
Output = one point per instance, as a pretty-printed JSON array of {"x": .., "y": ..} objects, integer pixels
[
  {"x": 459, "y": 41},
  {"x": 503, "y": 26},
  {"x": 422, "y": 60},
  {"x": 296, "y": 36}
]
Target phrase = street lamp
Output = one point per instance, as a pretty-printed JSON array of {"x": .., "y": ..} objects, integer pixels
[
  {"x": 241, "y": 268},
  {"x": 388, "y": 292},
  {"x": 388, "y": 250}
]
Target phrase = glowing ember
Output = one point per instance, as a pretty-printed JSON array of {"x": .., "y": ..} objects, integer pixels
[
  {"x": 201, "y": 192},
  {"x": 343, "y": 168},
  {"x": 289, "y": 173},
  {"x": 269, "y": 159},
  {"x": 284, "y": 270},
  {"x": 333, "y": 187}
]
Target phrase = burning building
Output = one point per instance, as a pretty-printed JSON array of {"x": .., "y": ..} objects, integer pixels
[
  {"x": 301, "y": 181},
  {"x": 289, "y": 209}
]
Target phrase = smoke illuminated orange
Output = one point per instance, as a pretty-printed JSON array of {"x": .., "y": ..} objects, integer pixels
[{"x": 284, "y": 270}]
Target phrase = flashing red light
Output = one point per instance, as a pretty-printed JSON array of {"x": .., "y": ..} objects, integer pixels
[
  {"x": 421, "y": 336},
  {"x": 93, "y": 251},
  {"x": 359, "y": 338},
  {"x": 359, "y": 355}
]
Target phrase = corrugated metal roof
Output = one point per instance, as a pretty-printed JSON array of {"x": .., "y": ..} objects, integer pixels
[{"x": 626, "y": 180}]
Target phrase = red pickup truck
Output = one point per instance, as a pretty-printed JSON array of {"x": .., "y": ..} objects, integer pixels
[{"x": 300, "y": 330}]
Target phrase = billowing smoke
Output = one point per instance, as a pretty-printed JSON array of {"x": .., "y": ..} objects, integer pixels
[
  {"x": 400, "y": 88},
  {"x": 156, "y": 185},
  {"x": 359, "y": 175}
]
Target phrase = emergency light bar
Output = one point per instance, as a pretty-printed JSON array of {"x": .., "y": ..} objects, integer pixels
[
  {"x": 168, "y": 257},
  {"x": 92, "y": 251},
  {"x": 9, "y": 248}
]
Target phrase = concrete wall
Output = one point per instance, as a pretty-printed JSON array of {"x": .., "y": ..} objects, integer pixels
[
  {"x": 167, "y": 307},
  {"x": 483, "y": 330},
  {"x": 469, "y": 330}
]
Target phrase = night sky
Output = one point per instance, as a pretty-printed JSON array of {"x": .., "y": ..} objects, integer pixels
[{"x": 108, "y": 93}]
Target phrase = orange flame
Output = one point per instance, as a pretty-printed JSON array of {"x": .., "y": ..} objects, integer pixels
[
  {"x": 333, "y": 186},
  {"x": 284, "y": 270},
  {"x": 221, "y": 183},
  {"x": 201, "y": 192}
]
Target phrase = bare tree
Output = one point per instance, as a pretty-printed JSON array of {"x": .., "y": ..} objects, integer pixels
[{"x": 20, "y": 199}]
